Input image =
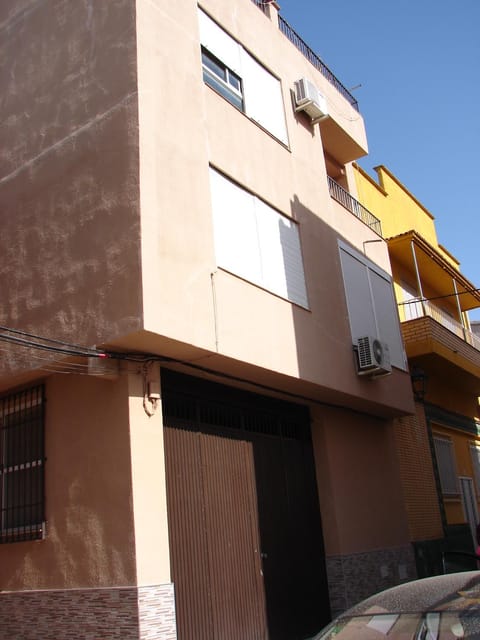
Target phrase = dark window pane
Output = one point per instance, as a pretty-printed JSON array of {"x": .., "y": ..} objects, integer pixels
[
  {"x": 23, "y": 436},
  {"x": 23, "y": 492},
  {"x": 215, "y": 66},
  {"x": 235, "y": 81},
  {"x": 223, "y": 89}
]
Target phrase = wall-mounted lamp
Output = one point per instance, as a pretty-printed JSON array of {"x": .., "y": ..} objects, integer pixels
[{"x": 419, "y": 383}]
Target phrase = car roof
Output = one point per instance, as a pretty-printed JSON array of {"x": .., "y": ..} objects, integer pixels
[{"x": 452, "y": 592}]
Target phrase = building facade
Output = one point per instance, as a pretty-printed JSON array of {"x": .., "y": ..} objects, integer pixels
[
  {"x": 193, "y": 445},
  {"x": 443, "y": 351}
]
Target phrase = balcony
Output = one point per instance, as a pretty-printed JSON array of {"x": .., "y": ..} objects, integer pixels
[
  {"x": 262, "y": 5},
  {"x": 342, "y": 196},
  {"x": 430, "y": 331},
  {"x": 312, "y": 57},
  {"x": 417, "y": 309},
  {"x": 309, "y": 54}
]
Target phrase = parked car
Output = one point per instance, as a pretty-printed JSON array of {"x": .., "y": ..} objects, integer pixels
[{"x": 440, "y": 608}]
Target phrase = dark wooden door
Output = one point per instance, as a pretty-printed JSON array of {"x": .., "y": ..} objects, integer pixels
[
  {"x": 291, "y": 538},
  {"x": 245, "y": 532}
]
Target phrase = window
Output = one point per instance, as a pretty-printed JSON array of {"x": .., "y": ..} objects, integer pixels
[
  {"x": 372, "y": 310},
  {"x": 256, "y": 242},
  {"x": 22, "y": 465},
  {"x": 475, "y": 454},
  {"x": 412, "y": 306},
  {"x": 446, "y": 465},
  {"x": 237, "y": 76},
  {"x": 222, "y": 79}
]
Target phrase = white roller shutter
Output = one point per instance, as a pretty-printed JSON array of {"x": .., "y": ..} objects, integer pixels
[
  {"x": 218, "y": 42},
  {"x": 263, "y": 97},
  {"x": 255, "y": 242},
  {"x": 281, "y": 255},
  {"x": 358, "y": 295},
  {"x": 387, "y": 317},
  {"x": 372, "y": 310},
  {"x": 235, "y": 227}
]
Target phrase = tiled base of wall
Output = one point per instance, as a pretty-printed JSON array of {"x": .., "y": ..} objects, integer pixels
[
  {"x": 127, "y": 613},
  {"x": 355, "y": 577}
]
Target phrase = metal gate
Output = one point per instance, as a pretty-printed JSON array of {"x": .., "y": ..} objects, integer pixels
[{"x": 245, "y": 533}]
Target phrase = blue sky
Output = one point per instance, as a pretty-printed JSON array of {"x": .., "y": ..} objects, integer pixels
[{"x": 418, "y": 62}]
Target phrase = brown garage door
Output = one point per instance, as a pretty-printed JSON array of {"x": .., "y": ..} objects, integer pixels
[{"x": 245, "y": 532}]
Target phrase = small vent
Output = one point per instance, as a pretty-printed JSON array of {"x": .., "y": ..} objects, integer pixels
[{"x": 373, "y": 356}]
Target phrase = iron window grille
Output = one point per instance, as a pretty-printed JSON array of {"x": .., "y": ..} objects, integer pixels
[{"x": 22, "y": 462}]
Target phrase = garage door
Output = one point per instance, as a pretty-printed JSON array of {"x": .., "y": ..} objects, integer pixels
[{"x": 245, "y": 534}]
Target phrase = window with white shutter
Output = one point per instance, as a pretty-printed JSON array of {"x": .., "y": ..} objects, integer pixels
[
  {"x": 372, "y": 310},
  {"x": 256, "y": 242},
  {"x": 237, "y": 76}
]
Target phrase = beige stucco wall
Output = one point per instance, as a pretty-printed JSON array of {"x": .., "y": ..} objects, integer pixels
[
  {"x": 185, "y": 127},
  {"x": 106, "y": 203},
  {"x": 90, "y": 540},
  {"x": 105, "y": 196},
  {"x": 152, "y": 553},
  {"x": 106, "y": 517},
  {"x": 107, "y": 238},
  {"x": 177, "y": 235},
  {"x": 69, "y": 199},
  {"x": 358, "y": 481}
]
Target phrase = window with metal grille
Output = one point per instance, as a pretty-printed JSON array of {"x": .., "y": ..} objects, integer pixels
[
  {"x": 447, "y": 469},
  {"x": 22, "y": 461}
]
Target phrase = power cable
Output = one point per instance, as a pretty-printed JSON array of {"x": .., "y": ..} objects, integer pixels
[{"x": 447, "y": 295}]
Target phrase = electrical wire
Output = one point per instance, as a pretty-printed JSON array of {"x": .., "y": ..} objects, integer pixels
[
  {"x": 447, "y": 295},
  {"x": 47, "y": 344},
  {"x": 45, "y": 363},
  {"x": 152, "y": 358}
]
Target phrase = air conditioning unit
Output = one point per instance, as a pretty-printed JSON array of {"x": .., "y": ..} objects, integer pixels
[
  {"x": 309, "y": 99},
  {"x": 373, "y": 357}
]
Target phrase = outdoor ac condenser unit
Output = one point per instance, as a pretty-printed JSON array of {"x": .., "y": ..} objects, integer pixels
[
  {"x": 309, "y": 99},
  {"x": 373, "y": 357}
]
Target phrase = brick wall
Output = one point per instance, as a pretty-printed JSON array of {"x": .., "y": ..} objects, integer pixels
[
  {"x": 426, "y": 329},
  {"x": 418, "y": 480},
  {"x": 129, "y": 613}
]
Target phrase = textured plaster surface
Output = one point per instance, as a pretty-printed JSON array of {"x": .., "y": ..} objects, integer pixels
[{"x": 69, "y": 203}]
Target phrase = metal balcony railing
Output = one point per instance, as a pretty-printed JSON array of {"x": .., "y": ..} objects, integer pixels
[
  {"x": 261, "y": 4},
  {"x": 342, "y": 196},
  {"x": 312, "y": 57},
  {"x": 417, "y": 308},
  {"x": 309, "y": 54}
]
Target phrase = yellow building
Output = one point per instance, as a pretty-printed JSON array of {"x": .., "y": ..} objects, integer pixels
[{"x": 444, "y": 357}]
